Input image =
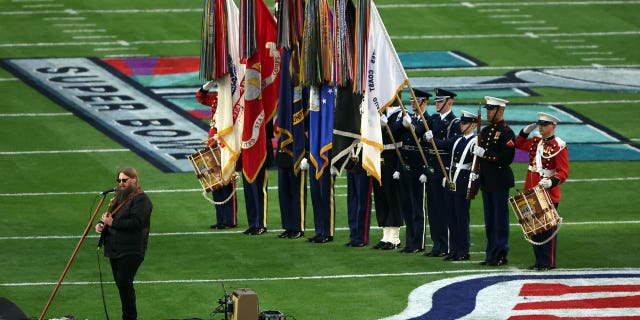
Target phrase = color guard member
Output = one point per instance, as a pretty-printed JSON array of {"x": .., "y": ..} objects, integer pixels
[
  {"x": 548, "y": 167},
  {"x": 496, "y": 151},
  {"x": 412, "y": 176},
  {"x": 225, "y": 196},
  {"x": 444, "y": 126}
]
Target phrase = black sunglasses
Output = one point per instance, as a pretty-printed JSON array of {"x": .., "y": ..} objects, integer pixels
[{"x": 122, "y": 180}]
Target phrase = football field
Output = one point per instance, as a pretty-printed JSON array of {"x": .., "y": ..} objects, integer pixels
[{"x": 575, "y": 59}]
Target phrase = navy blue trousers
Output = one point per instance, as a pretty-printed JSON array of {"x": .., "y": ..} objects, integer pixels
[
  {"x": 292, "y": 193},
  {"x": 255, "y": 200},
  {"x": 226, "y": 213},
  {"x": 496, "y": 222},
  {"x": 323, "y": 202},
  {"x": 359, "y": 188}
]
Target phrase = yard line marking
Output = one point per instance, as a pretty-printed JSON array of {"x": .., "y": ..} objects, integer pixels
[
  {"x": 510, "y": 16},
  {"x": 61, "y": 18},
  {"x": 567, "y": 40},
  {"x": 499, "y": 10},
  {"x": 74, "y": 25},
  {"x": 127, "y": 55},
  {"x": 31, "y": 194},
  {"x": 577, "y": 47},
  {"x": 51, "y": 5},
  {"x": 524, "y": 22},
  {"x": 56, "y": 114},
  {"x": 115, "y": 49},
  {"x": 603, "y": 59},
  {"x": 228, "y": 232},
  {"x": 84, "y": 30},
  {"x": 4, "y": 153},
  {"x": 590, "y": 53},
  {"x": 536, "y": 28},
  {"x": 509, "y": 270},
  {"x": 92, "y": 37},
  {"x": 591, "y": 102}
]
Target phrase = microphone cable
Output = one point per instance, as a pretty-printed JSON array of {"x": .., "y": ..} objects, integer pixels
[{"x": 104, "y": 301}]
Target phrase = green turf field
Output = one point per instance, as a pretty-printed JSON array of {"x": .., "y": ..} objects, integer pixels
[{"x": 52, "y": 163}]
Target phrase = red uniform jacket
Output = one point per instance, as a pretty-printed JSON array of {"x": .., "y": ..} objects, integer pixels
[
  {"x": 209, "y": 99},
  {"x": 553, "y": 160}
]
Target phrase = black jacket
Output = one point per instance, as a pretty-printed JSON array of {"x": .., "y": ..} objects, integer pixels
[
  {"x": 129, "y": 232},
  {"x": 498, "y": 140}
]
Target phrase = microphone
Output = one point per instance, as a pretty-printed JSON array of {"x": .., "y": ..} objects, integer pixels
[{"x": 109, "y": 190}]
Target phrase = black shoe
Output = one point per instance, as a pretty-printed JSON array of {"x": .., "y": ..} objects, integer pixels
[
  {"x": 259, "y": 231},
  {"x": 214, "y": 226},
  {"x": 413, "y": 250},
  {"x": 463, "y": 257},
  {"x": 295, "y": 235},
  {"x": 355, "y": 244},
  {"x": 390, "y": 246},
  {"x": 539, "y": 268},
  {"x": 500, "y": 262},
  {"x": 435, "y": 254},
  {"x": 450, "y": 257},
  {"x": 379, "y": 245},
  {"x": 284, "y": 234},
  {"x": 314, "y": 238},
  {"x": 483, "y": 263},
  {"x": 249, "y": 231}
]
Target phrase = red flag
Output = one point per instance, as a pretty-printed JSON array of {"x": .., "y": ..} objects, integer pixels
[{"x": 261, "y": 88}]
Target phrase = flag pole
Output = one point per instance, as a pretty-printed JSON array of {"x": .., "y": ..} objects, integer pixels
[{"x": 433, "y": 143}]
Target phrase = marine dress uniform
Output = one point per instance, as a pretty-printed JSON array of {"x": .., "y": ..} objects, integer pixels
[
  {"x": 496, "y": 152},
  {"x": 548, "y": 167},
  {"x": 225, "y": 196}
]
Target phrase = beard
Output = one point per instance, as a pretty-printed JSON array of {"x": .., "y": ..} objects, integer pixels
[{"x": 124, "y": 193}]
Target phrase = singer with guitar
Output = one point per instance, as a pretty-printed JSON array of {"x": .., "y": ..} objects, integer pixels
[{"x": 124, "y": 231}]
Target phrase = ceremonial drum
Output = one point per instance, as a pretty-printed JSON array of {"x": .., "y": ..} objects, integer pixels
[
  {"x": 206, "y": 163},
  {"x": 535, "y": 211}
]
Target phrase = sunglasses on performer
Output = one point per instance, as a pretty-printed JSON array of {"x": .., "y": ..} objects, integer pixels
[{"x": 122, "y": 180}]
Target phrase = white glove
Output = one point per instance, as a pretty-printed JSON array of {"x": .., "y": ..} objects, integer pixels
[
  {"x": 423, "y": 178},
  {"x": 304, "y": 164},
  {"x": 383, "y": 121},
  {"x": 334, "y": 171},
  {"x": 428, "y": 136},
  {"x": 396, "y": 175},
  {"x": 444, "y": 182},
  {"x": 406, "y": 121},
  {"x": 529, "y": 128},
  {"x": 473, "y": 176},
  {"x": 545, "y": 183},
  {"x": 207, "y": 86},
  {"x": 478, "y": 151}
]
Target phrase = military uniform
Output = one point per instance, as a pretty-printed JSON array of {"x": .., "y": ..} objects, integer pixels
[
  {"x": 412, "y": 190},
  {"x": 548, "y": 159},
  {"x": 496, "y": 177},
  {"x": 387, "y": 194},
  {"x": 459, "y": 171},
  {"x": 224, "y": 197},
  {"x": 444, "y": 127},
  {"x": 359, "y": 189}
]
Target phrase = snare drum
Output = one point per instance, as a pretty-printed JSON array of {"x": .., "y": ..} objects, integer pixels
[
  {"x": 535, "y": 211},
  {"x": 206, "y": 164}
]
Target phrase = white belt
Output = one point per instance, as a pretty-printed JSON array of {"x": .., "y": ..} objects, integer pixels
[
  {"x": 464, "y": 166},
  {"x": 543, "y": 172},
  {"x": 392, "y": 146}
]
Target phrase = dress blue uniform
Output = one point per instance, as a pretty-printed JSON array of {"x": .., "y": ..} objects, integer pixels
[
  {"x": 459, "y": 171},
  {"x": 445, "y": 127},
  {"x": 323, "y": 202},
  {"x": 412, "y": 195},
  {"x": 496, "y": 177}
]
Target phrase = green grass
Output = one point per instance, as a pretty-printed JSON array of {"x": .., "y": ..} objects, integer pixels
[{"x": 45, "y": 195}]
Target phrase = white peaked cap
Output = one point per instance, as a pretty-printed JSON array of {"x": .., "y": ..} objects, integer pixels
[
  {"x": 547, "y": 117},
  {"x": 467, "y": 116},
  {"x": 496, "y": 101}
]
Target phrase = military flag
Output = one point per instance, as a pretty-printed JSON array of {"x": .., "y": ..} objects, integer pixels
[
  {"x": 262, "y": 81},
  {"x": 385, "y": 79}
]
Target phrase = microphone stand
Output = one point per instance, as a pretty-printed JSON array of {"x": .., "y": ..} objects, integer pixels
[{"x": 73, "y": 256}]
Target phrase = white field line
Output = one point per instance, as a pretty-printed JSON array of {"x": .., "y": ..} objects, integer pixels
[
  {"x": 337, "y": 186},
  {"x": 56, "y": 114},
  {"x": 61, "y": 151},
  {"x": 209, "y": 233},
  {"x": 510, "y": 270}
]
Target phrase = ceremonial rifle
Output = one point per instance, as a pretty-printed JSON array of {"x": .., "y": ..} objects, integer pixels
[{"x": 472, "y": 188}]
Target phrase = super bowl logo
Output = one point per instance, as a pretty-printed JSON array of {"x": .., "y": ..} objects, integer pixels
[{"x": 596, "y": 294}]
